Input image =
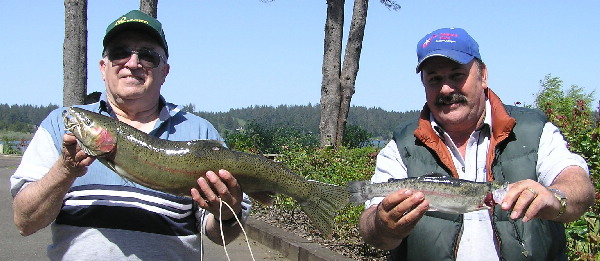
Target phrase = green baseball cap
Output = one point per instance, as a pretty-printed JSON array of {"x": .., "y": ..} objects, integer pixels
[{"x": 137, "y": 20}]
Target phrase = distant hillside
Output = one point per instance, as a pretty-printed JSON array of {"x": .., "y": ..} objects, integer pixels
[
  {"x": 380, "y": 123},
  {"x": 374, "y": 120},
  {"x": 23, "y": 118}
]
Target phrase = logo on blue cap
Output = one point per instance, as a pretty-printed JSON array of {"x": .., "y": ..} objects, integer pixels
[{"x": 452, "y": 43}]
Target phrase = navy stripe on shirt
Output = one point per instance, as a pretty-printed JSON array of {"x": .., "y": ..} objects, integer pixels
[{"x": 128, "y": 208}]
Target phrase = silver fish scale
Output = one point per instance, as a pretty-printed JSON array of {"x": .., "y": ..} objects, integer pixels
[
  {"x": 444, "y": 194},
  {"x": 175, "y": 166}
]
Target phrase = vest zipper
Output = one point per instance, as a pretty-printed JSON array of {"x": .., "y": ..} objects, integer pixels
[{"x": 519, "y": 238}]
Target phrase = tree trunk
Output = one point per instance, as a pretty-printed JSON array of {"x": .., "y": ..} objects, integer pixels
[
  {"x": 330, "y": 86},
  {"x": 75, "y": 52},
  {"x": 149, "y": 7},
  {"x": 351, "y": 64},
  {"x": 339, "y": 82}
]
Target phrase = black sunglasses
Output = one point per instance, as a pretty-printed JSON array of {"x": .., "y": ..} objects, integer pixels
[{"x": 146, "y": 57}]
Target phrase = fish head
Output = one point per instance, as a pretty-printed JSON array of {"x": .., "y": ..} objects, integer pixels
[
  {"x": 93, "y": 138},
  {"x": 497, "y": 192}
]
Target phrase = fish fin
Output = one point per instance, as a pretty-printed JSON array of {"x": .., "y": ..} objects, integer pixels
[
  {"x": 357, "y": 189},
  {"x": 264, "y": 197},
  {"x": 432, "y": 175},
  {"x": 109, "y": 164},
  {"x": 215, "y": 142},
  {"x": 435, "y": 175},
  {"x": 207, "y": 143},
  {"x": 85, "y": 149},
  {"x": 324, "y": 204}
]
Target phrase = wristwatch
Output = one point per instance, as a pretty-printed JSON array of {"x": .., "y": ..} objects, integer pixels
[{"x": 562, "y": 198}]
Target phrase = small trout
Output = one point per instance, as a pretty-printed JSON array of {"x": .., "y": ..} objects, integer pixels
[
  {"x": 174, "y": 166},
  {"x": 445, "y": 194}
]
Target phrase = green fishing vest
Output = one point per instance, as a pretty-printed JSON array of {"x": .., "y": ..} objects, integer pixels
[{"x": 437, "y": 234}]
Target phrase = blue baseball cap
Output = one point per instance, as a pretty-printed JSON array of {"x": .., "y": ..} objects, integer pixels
[{"x": 452, "y": 43}]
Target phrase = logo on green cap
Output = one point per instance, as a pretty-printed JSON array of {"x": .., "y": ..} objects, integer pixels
[
  {"x": 136, "y": 19},
  {"x": 125, "y": 20}
]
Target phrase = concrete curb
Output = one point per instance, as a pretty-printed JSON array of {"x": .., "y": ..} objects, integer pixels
[{"x": 291, "y": 246}]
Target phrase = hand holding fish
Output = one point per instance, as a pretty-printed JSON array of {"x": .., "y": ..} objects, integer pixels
[
  {"x": 529, "y": 199},
  {"x": 216, "y": 187},
  {"x": 73, "y": 159},
  {"x": 33, "y": 212},
  {"x": 395, "y": 217},
  {"x": 401, "y": 211},
  {"x": 212, "y": 189}
]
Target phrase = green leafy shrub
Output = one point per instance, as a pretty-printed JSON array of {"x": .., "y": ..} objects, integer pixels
[
  {"x": 334, "y": 166},
  {"x": 572, "y": 114},
  {"x": 256, "y": 138},
  {"x": 11, "y": 145},
  {"x": 356, "y": 137}
]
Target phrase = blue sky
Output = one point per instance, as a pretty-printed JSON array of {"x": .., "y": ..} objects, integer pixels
[{"x": 239, "y": 53}]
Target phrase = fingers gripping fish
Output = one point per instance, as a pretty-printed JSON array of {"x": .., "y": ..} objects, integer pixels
[{"x": 174, "y": 166}]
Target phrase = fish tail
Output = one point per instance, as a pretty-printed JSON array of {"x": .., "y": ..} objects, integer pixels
[
  {"x": 324, "y": 204},
  {"x": 358, "y": 192}
]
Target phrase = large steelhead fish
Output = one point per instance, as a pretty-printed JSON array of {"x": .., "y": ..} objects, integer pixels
[
  {"x": 444, "y": 193},
  {"x": 174, "y": 166}
]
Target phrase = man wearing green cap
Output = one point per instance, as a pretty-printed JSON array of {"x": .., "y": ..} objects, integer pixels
[
  {"x": 95, "y": 214},
  {"x": 465, "y": 131}
]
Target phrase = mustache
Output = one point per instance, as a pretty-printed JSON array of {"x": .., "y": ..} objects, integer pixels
[{"x": 450, "y": 99}]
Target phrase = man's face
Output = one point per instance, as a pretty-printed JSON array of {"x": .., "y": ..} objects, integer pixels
[
  {"x": 455, "y": 92},
  {"x": 130, "y": 78}
]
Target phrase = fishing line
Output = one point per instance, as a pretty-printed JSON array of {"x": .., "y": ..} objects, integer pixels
[
  {"x": 221, "y": 202},
  {"x": 239, "y": 223}
]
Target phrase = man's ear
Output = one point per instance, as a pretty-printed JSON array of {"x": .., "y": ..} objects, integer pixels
[
  {"x": 102, "y": 64},
  {"x": 166, "y": 69},
  {"x": 484, "y": 76}
]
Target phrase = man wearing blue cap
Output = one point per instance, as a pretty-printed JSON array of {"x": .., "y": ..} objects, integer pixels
[
  {"x": 466, "y": 132},
  {"x": 93, "y": 213}
]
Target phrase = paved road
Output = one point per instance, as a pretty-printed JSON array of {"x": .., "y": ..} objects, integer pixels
[{"x": 13, "y": 246}]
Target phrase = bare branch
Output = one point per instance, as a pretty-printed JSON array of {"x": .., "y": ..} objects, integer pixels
[{"x": 390, "y": 4}]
